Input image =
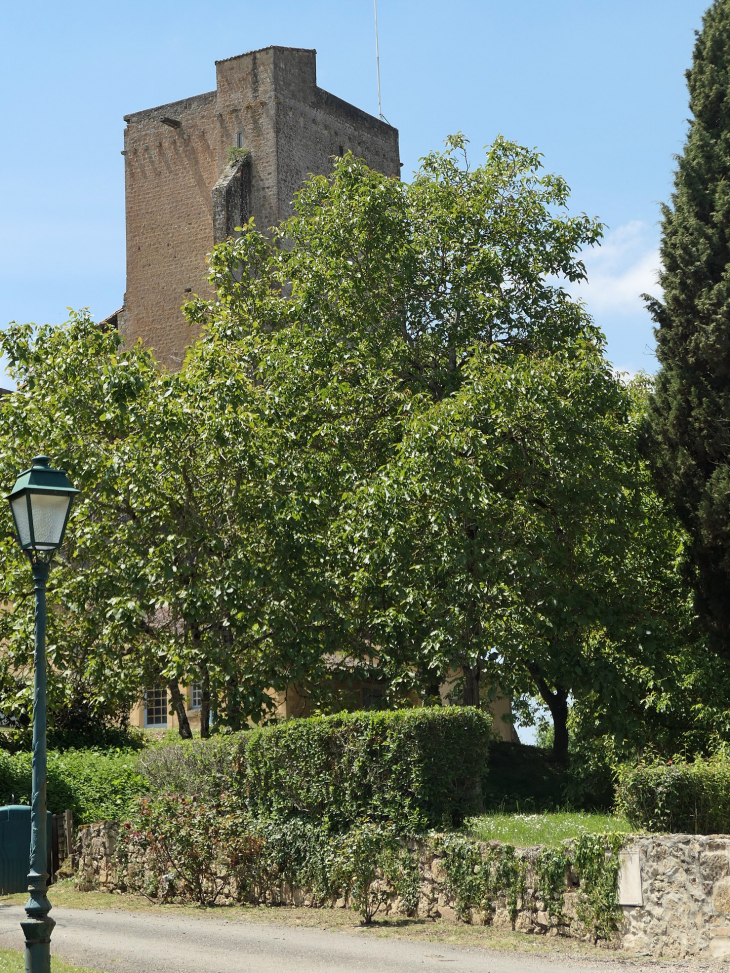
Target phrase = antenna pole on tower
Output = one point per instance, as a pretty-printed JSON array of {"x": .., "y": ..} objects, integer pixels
[{"x": 377, "y": 61}]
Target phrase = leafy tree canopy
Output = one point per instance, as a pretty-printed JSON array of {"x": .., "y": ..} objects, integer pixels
[
  {"x": 395, "y": 450},
  {"x": 474, "y": 460}
]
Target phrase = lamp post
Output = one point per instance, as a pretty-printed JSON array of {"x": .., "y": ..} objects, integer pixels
[{"x": 41, "y": 502}]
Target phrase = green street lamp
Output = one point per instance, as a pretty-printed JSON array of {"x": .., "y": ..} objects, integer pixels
[{"x": 41, "y": 502}]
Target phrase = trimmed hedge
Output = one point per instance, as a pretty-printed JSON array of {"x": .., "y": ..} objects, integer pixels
[
  {"x": 419, "y": 766},
  {"x": 677, "y": 796},
  {"x": 96, "y": 785},
  {"x": 423, "y": 763},
  {"x": 520, "y": 777},
  {"x": 415, "y": 767}
]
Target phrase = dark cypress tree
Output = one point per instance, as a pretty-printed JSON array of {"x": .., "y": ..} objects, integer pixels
[{"x": 690, "y": 416}]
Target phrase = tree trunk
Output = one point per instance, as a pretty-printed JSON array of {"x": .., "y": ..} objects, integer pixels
[
  {"x": 205, "y": 704},
  {"x": 559, "y": 713},
  {"x": 178, "y": 704},
  {"x": 433, "y": 692},
  {"x": 557, "y": 703},
  {"x": 472, "y": 677},
  {"x": 234, "y": 711}
]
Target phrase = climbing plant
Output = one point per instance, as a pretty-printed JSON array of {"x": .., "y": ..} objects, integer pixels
[
  {"x": 597, "y": 864},
  {"x": 201, "y": 850},
  {"x": 551, "y": 869},
  {"x": 477, "y": 878}
]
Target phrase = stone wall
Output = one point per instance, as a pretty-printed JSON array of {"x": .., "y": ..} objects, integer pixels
[
  {"x": 94, "y": 856},
  {"x": 674, "y": 891},
  {"x": 97, "y": 869},
  {"x": 680, "y": 903}
]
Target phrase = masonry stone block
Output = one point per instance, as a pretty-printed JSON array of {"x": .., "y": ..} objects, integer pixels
[
  {"x": 721, "y": 896},
  {"x": 502, "y": 919},
  {"x": 524, "y": 923},
  {"x": 714, "y": 865}
]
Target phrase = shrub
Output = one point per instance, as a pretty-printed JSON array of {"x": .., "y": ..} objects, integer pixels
[
  {"x": 418, "y": 767},
  {"x": 97, "y": 736},
  {"x": 677, "y": 796},
  {"x": 194, "y": 848},
  {"x": 370, "y": 866},
  {"x": 96, "y": 785},
  {"x": 526, "y": 778},
  {"x": 519, "y": 777},
  {"x": 421, "y": 766},
  {"x": 204, "y": 768}
]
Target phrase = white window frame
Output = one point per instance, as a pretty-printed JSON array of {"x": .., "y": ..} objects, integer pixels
[
  {"x": 159, "y": 690},
  {"x": 196, "y": 691}
]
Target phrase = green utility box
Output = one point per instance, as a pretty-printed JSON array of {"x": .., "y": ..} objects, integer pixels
[{"x": 15, "y": 847}]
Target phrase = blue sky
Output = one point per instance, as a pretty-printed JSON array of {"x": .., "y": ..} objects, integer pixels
[{"x": 597, "y": 87}]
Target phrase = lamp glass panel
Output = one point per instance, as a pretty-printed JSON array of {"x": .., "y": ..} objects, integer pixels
[
  {"x": 20, "y": 512},
  {"x": 49, "y": 518}
]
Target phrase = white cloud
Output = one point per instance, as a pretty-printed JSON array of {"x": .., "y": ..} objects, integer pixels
[{"x": 620, "y": 271}]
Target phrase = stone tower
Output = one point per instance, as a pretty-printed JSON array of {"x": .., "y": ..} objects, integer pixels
[{"x": 182, "y": 195}]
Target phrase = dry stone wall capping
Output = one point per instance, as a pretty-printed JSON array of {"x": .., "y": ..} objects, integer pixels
[{"x": 674, "y": 892}]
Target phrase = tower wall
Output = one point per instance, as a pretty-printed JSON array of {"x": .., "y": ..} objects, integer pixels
[
  {"x": 176, "y": 155},
  {"x": 313, "y": 126},
  {"x": 169, "y": 175}
]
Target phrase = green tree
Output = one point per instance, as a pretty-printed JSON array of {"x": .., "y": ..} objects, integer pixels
[
  {"x": 472, "y": 458},
  {"x": 409, "y": 456},
  {"x": 180, "y": 562},
  {"x": 512, "y": 536},
  {"x": 690, "y": 413}
]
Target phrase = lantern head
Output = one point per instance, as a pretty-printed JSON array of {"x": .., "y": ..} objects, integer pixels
[{"x": 41, "y": 503}]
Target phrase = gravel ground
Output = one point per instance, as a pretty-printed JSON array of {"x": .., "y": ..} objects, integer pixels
[{"x": 119, "y": 941}]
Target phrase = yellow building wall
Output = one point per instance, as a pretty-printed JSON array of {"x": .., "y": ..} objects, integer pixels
[
  {"x": 290, "y": 705},
  {"x": 500, "y": 708}
]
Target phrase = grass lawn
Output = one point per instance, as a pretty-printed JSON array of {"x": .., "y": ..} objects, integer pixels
[
  {"x": 549, "y": 828},
  {"x": 13, "y": 961}
]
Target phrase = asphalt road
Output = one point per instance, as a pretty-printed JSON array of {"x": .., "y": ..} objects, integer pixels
[{"x": 116, "y": 941}]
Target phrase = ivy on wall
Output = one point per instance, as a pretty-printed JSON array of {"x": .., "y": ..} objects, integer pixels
[
  {"x": 187, "y": 849},
  {"x": 479, "y": 877}
]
